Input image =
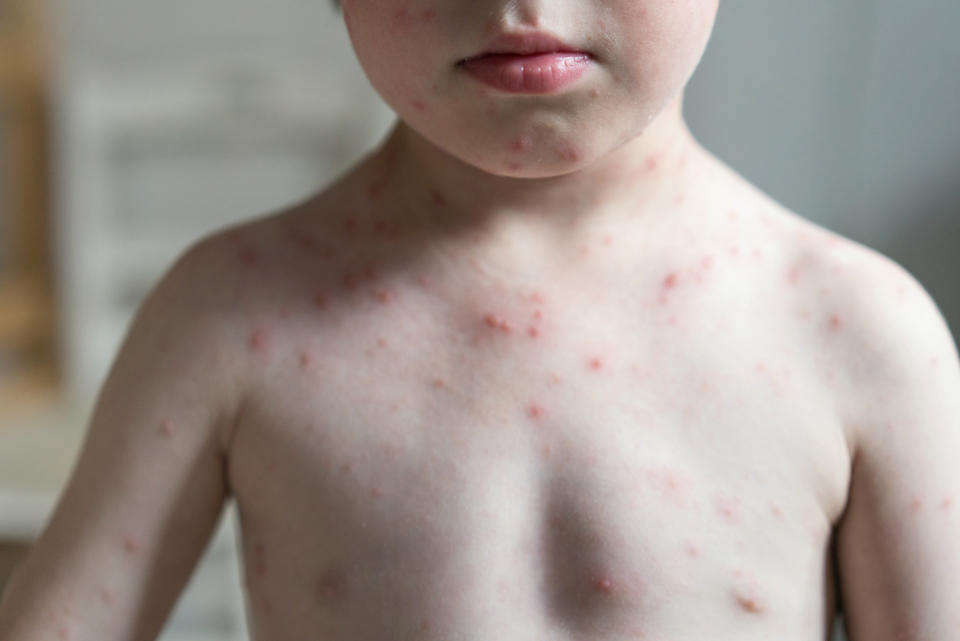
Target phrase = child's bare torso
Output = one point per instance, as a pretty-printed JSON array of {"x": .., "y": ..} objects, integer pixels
[{"x": 635, "y": 439}]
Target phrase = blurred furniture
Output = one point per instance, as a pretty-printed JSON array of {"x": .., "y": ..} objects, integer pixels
[
  {"x": 27, "y": 327},
  {"x": 157, "y": 156}
]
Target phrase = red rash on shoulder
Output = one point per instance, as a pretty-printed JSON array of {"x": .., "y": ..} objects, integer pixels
[
  {"x": 248, "y": 256},
  {"x": 259, "y": 340}
]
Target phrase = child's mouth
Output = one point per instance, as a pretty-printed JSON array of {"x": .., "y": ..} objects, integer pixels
[{"x": 536, "y": 73}]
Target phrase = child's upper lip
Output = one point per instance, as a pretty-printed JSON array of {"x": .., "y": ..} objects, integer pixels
[{"x": 525, "y": 43}]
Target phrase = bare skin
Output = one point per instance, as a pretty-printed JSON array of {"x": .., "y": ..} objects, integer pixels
[{"x": 447, "y": 439}]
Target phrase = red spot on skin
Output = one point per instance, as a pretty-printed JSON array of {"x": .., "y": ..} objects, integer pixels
[
  {"x": 554, "y": 379},
  {"x": 707, "y": 262},
  {"x": 602, "y": 584},
  {"x": 777, "y": 512},
  {"x": 514, "y": 166},
  {"x": 267, "y": 605},
  {"x": 607, "y": 240},
  {"x": 259, "y": 340},
  {"x": 835, "y": 322},
  {"x": 594, "y": 93},
  {"x": 946, "y": 504},
  {"x": 385, "y": 296},
  {"x": 537, "y": 315},
  {"x": 424, "y": 281},
  {"x": 569, "y": 154},
  {"x": 428, "y": 15},
  {"x": 497, "y": 323},
  {"x": 692, "y": 550},
  {"x": 545, "y": 452},
  {"x": 131, "y": 545},
  {"x": 381, "y": 341},
  {"x": 438, "y": 198},
  {"x": 727, "y": 507},
  {"x": 106, "y": 595},
  {"x": 521, "y": 144},
  {"x": 301, "y": 239},
  {"x": 535, "y": 411},
  {"x": 350, "y": 224},
  {"x": 748, "y": 603},
  {"x": 248, "y": 256},
  {"x": 401, "y": 20},
  {"x": 425, "y": 625},
  {"x": 670, "y": 281},
  {"x": 166, "y": 428},
  {"x": 438, "y": 383},
  {"x": 261, "y": 568},
  {"x": 305, "y": 359},
  {"x": 331, "y": 587},
  {"x": 418, "y": 104},
  {"x": 350, "y": 280},
  {"x": 794, "y": 275},
  {"x": 320, "y": 301},
  {"x": 596, "y": 364},
  {"x": 63, "y": 633},
  {"x": 537, "y": 298},
  {"x": 916, "y": 505},
  {"x": 735, "y": 250},
  {"x": 651, "y": 163},
  {"x": 533, "y": 332},
  {"x": 376, "y": 492}
]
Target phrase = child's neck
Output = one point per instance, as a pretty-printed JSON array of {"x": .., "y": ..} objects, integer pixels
[{"x": 430, "y": 187}]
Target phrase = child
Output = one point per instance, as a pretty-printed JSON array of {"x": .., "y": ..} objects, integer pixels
[{"x": 539, "y": 367}]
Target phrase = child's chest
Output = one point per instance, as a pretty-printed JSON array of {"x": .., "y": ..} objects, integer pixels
[{"x": 571, "y": 456}]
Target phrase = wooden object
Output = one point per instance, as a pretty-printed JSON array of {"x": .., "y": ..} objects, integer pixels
[{"x": 27, "y": 319}]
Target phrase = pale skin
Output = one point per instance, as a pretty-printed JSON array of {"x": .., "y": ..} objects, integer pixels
[{"x": 533, "y": 369}]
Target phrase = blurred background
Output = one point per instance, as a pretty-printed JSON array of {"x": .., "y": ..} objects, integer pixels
[{"x": 130, "y": 128}]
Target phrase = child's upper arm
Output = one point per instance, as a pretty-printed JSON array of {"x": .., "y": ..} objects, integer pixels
[
  {"x": 898, "y": 541},
  {"x": 149, "y": 485}
]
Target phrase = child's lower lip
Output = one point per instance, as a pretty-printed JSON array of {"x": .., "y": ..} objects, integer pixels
[{"x": 537, "y": 73}]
